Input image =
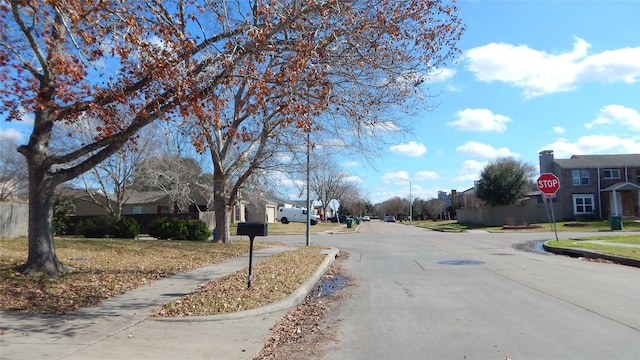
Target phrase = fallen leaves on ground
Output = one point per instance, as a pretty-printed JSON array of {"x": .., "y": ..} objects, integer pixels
[
  {"x": 273, "y": 279},
  {"x": 304, "y": 332},
  {"x": 102, "y": 268}
]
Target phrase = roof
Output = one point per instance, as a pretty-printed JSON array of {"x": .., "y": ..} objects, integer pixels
[
  {"x": 622, "y": 186},
  {"x": 599, "y": 161},
  {"x": 144, "y": 197}
]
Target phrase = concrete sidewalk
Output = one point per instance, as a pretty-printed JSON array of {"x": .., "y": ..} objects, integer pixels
[{"x": 121, "y": 327}]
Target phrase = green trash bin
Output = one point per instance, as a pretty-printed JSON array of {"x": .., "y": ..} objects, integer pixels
[
  {"x": 615, "y": 221},
  {"x": 349, "y": 223},
  {"x": 357, "y": 221}
]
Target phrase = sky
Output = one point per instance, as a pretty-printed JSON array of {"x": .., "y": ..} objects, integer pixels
[{"x": 535, "y": 75}]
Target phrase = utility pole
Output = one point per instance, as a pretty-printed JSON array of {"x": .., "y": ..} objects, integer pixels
[{"x": 410, "y": 203}]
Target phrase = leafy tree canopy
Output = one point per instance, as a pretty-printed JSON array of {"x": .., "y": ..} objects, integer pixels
[{"x": 504, "y": 181}]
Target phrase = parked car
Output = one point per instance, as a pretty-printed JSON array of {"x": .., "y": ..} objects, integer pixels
[
  {"x": 389, "y": 218},
  {"x": 342, "y": 219},
  {"x": 366, "y": 218}
]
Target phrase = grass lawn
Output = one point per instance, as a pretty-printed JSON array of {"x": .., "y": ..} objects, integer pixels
[
  {"x": 583, "y": 243},
  {"x": 600, "y": 225}
]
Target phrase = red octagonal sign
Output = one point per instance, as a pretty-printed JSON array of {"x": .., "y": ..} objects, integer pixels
[{"x": 548, "y": 183}]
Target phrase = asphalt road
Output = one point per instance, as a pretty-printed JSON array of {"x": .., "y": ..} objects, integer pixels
[{"x": 421, "y": 294}]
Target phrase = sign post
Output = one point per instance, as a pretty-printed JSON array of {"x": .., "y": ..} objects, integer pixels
[{"x": 549, "y": 184}]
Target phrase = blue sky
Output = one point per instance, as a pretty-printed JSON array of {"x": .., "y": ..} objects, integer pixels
[
  {"x": 561, "y": 75},
  {"x": 535, "y": 75}
]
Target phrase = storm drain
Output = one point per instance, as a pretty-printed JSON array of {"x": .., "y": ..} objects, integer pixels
[{"x": 460, "y": 262}]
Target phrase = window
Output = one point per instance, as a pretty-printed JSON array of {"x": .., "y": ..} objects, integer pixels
[
  {"x": 583, "y": 204},
  {"x": 611, "y": 173},
  {"x": 580, "y": 177}
]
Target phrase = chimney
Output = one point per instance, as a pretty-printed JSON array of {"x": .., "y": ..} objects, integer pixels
[{"x": 546, "y": 161}]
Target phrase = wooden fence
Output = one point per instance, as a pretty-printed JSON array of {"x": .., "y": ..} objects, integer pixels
[
  {"x": 508, "y": 215},
  {"x": 14, "y": 220}
]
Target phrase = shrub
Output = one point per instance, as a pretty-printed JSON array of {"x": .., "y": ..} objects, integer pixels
[
  {"x": 98, "y": 227},
  {"x": 126, "y": 228},
  {"x": 159, "y": 228},
  {"x": 63, "y": 208},
  {"x": 197, "y": 230},
  {"x": 178, "y": 229}
]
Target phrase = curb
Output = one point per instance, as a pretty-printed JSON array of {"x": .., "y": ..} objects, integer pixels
[
  {"x": 293, "y": 300},
  {"x": 573, "y": 252}
]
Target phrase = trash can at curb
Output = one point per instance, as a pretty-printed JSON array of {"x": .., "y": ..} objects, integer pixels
[
  {"x": 349, "y": 223},
  {"x": 615, "y": 221}
]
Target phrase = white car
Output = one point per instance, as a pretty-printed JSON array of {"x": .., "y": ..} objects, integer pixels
[{"x": 366, "y": 218}]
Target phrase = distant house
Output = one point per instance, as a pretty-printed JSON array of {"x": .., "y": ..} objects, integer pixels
[
  {"x": 595, "y": 186},
  {"x": 153, "y": 202},
  {"x": 262, "y": 210},
  {"x": 135, "y": 203}
]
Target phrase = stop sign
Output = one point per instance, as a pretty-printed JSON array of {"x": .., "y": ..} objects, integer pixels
[{"x": 548, "y": 183}]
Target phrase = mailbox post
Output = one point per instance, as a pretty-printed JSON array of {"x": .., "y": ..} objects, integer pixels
[{"x": 251, "y": 229}]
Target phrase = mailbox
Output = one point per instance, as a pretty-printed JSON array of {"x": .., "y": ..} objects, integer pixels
[{"x": 252, "y": 229}]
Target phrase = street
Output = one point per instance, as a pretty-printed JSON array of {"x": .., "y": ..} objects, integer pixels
[{"x": 422, "y": 294}]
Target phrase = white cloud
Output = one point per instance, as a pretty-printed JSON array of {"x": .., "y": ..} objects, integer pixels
[
  {"x": 441, "y": 75},
  {"x": 351, "y": 164},
  {"x": 10, "y": 134},
  {"x": 470, "y": 170},
  {"x": 394, "y": 177},
  {"x": 477, "y": 149},
  {"x": 354, "y": 178},
  {"x": 480, "y": 120},
  {"x": 594, "y": 144},
  {"x": 558, "y": 129},
  {"x": 539, "y": 72},
  {"x": 412, "y": 149},
  {"x": 617, "y": 115},
  {"x": 426, "y": 175}
]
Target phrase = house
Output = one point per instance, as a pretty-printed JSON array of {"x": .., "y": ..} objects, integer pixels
[
  {"x": 595, "y": 186},
  {"x": 264, "y": 208}
]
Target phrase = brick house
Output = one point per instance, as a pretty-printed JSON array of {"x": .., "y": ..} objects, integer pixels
[{"x": 595, "y": 186}]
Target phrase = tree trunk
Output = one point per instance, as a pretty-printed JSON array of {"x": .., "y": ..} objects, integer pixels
[
  {"x": 221, "y": 208},
  {"x": 42, "y": 255}
]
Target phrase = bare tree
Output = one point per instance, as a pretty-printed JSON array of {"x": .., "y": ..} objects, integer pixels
[
  {"x": 108, "y": 183},
  {"x": 13, "y": 170},
  {"x": 176, "y": 176},
  {"x": 394, "y": 206},
  {"x": 328, "y": 182},
  {"x": 434, "y": 208}
]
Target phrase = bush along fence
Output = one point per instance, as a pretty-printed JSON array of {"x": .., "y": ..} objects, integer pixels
[{"x": 160, "y": 228}]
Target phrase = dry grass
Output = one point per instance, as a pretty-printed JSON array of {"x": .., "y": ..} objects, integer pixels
[
  {"x": 104, "y": 268},
  {"x": 273, "y": 279}
]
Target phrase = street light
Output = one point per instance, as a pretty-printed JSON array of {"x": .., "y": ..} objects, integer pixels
[{"x": 410, "y": 203}]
